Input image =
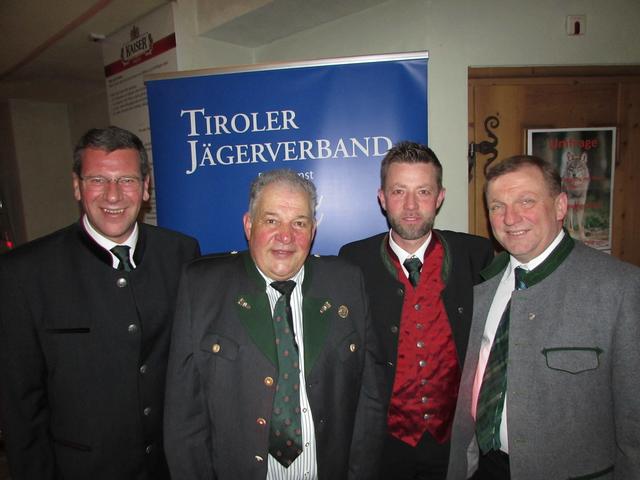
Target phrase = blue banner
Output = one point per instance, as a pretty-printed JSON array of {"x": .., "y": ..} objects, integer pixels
[{"x": 333, "y": 122}]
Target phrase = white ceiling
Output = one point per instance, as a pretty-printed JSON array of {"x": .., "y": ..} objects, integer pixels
[{"x": 47, "y": 54}]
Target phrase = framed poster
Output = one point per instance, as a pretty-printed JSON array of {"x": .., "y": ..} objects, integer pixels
[{"x": 585, "y": 158}]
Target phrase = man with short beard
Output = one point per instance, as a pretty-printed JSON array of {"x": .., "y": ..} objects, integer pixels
[{"x": 420, "y": 287}]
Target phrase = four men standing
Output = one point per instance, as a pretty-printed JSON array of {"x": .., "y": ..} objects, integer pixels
[{"x": 282, "y": 365}]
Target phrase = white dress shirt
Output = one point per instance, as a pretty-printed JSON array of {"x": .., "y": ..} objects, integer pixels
[
  {"x": 107, "y": 244},
  {"x": 304, "y": 467},
  {"x": 500, "y": 300}
]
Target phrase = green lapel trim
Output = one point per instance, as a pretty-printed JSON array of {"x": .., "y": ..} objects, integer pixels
[
  {"x": 446, "y": 259},
  {"x": 542, "y": 271},
  {"x": 553, "y": 261},
  {"x": 314, "y": 318},
  {"x": 496, "y": 266},
  {"x": 255, "y": 312},
  {"x": 386, "y": 258}
]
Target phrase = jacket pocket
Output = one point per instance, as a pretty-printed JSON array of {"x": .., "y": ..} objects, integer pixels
[
  {"x": 75, "y": 445},
  {"x": 572, "y": 360},
  {"x": 601, "y": 474},
  {"x": 68, "y": 330}
]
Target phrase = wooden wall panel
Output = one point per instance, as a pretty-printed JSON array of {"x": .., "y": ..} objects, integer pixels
[{"x": 557, "y": 98}]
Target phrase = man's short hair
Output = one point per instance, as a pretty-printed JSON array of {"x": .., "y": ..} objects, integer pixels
[
  {"x": 516, "y": 162},
  {"x": 410, "y": 152},
  {"x": 285, "y": 176},
  {"x": 110, "y": 139}
]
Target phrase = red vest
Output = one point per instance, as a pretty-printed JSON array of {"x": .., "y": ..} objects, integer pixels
[{"x": 427, "y": 377}]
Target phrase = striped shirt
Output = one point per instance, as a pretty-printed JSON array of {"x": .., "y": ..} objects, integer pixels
[{"x": 304, "y": 467}]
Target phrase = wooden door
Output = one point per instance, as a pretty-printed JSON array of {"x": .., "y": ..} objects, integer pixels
[{"x": 559, "y": 97}]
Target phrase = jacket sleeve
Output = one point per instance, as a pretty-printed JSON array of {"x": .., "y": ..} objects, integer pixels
[
  {"x": 23, "y": 380},
  {"x": 370, "y": 421},
  {"x": 187, "y": 434},
  {"x": 625, "y": 386}
]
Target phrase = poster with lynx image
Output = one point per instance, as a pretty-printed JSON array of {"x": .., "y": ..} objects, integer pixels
[{"x": 585, "y": 158}]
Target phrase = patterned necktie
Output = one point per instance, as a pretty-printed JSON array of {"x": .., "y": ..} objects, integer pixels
[
  {"x": 494, "y": 381},
  {"x": 285, "y": 435},
  {"x": 122, "y": 254},
  {"x": 413, "y": 266}
]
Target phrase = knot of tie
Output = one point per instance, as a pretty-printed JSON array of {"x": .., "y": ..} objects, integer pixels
[
  {"x": 413, "y": 266},
  {"x": 285, "y": 287},
  {"x": 122, "y": 253}
]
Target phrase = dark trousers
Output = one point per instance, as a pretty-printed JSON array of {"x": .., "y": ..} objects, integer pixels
[
  {"x": 493, "y": 466},
  {"x": 426, "y": 461}
]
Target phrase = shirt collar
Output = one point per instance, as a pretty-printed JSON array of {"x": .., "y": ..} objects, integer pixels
[
  {"x": 107, "y": 244},
  {"x": 298, "y": 277},
  {"x": 402, "y": 254},
  {"x": 530, "y": 265}
]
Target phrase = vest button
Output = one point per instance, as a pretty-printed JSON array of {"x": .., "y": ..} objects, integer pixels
[
  {"x": 419, "y": 326},
  {"x": 417, "y": 306},
  {"x": 121, "y": 282},
  {"x": 420, "y": 344},
  {"x": 426, "y": 416},
  {"x": 422, "y": 363},
  {"x": 215, "y": 348},
  {"x": 424, "y": 399}
]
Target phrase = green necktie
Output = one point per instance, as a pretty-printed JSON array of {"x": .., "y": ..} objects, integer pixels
[
  {"x": 413, "y": 266},
  {"x": 285, "y": 434},
  {"x": 122, "y": 254},
  {"x": 494, "y": 381}
]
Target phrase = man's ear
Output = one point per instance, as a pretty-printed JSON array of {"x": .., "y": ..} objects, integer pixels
[
  {"x": 246, "y": 222},
  {"x": 76, "y": 186}
]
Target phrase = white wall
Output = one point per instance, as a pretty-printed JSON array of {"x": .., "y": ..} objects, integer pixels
[
  {"x": 463, "y": 33},
  {"x": 42, "y": 149}
]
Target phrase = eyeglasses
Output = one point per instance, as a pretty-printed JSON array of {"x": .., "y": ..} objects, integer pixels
[{"x": 98, "y": 182}]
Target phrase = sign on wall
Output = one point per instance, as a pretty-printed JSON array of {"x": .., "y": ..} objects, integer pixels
[
  {"x": 213, "y": 132},
  {"x": 585, "y": 158}
]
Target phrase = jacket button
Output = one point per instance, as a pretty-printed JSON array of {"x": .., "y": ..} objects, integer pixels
[
  {"x": 121, "y": 282},
  {"x": 148, "y": 449},
  {"x": 353, "y": 347},
  {"x": 143, "y": 369},
  {"x": 147, "y": 411},
  {"x": 400, "y": 291},
  {"x": 394, "y": 329},
  {"x": 215, "y": 348},
  {"x": 268, "y": 381},
  {"x": 460, "y": 310},
  {"x": 259, "y": 458},
  {"x": 261, "y": 421},
  {"x": 133, "y": 328},
  {"x": 532, "y": 316}
]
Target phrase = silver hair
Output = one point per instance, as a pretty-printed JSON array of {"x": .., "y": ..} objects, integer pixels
[{"x": 287, "y": 177}]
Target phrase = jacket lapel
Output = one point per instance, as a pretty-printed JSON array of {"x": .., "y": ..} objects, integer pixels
[
  {"x": 315, "y": 315},
  {"x": 255, "y": 313}
]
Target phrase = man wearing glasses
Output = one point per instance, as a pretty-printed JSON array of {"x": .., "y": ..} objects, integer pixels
[{"x": 85, "y": 321}]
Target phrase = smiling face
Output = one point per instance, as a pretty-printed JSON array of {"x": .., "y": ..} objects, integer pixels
[
  {"x": 280, "y": 230},
  {"x": 524, "y": 215},
  {"x": 411, "y": 198},
  {"x": 111, "y": 210}
]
